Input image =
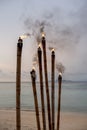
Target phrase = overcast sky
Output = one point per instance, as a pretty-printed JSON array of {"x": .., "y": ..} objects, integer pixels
[{"x": 66, "y": 30}]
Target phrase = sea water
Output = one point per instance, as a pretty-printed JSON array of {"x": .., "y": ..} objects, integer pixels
[{"x": 73, "y": 96}]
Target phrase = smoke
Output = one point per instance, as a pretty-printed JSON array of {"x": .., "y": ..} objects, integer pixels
[
  {"x": 37, "y": 27},
  {"x": 25, "y": 35},
  {"x": 57, "y": 36},
  {"x": 57, "y": 33},
  {"x": 60, "y": 67},
  {"x": 65, "y": 32},
  {"x": 51, "y": 48},
  {"x": 35, "y": 60}
]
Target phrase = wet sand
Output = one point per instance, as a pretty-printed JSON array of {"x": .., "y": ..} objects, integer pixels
[{"x": 69, "y": 121}]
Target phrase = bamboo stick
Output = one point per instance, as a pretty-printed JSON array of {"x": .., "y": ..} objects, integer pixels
[
  {"x": 59, "y": 101},
  {"x": 18, "y": 84},
  {"x": 33, "y": 78},
  {"x": 52, "y": 87},
  {"x": 41, "y": 87},
  {"x": 46, "y": 81}
]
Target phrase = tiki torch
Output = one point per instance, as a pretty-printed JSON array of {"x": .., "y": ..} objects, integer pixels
[
  {"x": 52, "y": 87},
  {"x": 46, "y": 80},
  {"x": 41, "y": 87},
  {"x": 33, "y": 78},
  {"x": 59, "y": 100},
  {"x": 18, "y": 84}
]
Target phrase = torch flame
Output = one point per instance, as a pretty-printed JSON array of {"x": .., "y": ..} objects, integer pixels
[
  {"x": 43, "y": 34},
  {"x": 33, "y": 68},
  {"x": 39, "y": 45},
  {"x": 52, "y": 50},
  {"x": 25, "y": 36},
  {"x": 60, "y": 73}
]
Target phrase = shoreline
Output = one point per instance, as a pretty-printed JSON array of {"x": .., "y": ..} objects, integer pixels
[
  {"x": 33, "y": 110},
  {"x": 68, "y": 120}
]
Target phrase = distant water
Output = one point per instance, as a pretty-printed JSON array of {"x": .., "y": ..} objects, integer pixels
[{"x": 73, "y": 99}]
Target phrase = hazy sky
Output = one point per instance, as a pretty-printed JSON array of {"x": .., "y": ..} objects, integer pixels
[{"x": 66, "y": 30}]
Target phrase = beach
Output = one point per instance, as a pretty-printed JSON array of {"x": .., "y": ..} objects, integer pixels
[
  {"x": 73, "y": 106},
  {"x": 69, "y": 120}
]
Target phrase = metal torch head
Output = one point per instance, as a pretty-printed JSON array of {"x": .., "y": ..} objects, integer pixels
[
  {"x": 60, "y": 76},
  {"x": 33, "y": 74},
  {"x": 20, "y": 42},
  {"x": 43, "y": 40},
  {"x": 39, "y": 47},
  {"x": 43, "y": 36},
  {"x": 53, "y": 51}
]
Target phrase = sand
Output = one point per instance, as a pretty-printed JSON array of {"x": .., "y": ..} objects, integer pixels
[{"x": 69, "y": 121}]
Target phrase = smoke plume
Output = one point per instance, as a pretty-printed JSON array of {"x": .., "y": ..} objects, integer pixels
[
  {"x": 35, "y": 60},
  {"x": 65, "y": 33},
  {"x": 60, "y": 67},
  {"x": 57, "y": 33}
]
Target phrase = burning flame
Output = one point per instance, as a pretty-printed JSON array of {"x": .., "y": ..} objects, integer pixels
[
  {"x": 39, "y": 45},
  {"x": 43, "y": 34},
  {"x": 33, "y": 68},
  {"x": 52, "y": 50},
  {"x": 25, "y": 35},
  {"x": 60, "y": 73}
]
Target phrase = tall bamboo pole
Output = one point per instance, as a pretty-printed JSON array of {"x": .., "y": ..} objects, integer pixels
[
  {"x": 18, "y": 84},
  {"x": 41, "y": 87},
  {"x": 46, "y": 81},
  {"x": 52, "y": 87},
  {"x": 33, "y": 78},
  {"x": 59, "y": 101}
]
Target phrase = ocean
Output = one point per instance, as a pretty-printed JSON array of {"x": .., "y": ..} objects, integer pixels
[{"x": 73, "y": 96}]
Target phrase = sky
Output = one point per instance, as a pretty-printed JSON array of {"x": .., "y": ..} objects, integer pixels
[{"x": 65, "y": 25}]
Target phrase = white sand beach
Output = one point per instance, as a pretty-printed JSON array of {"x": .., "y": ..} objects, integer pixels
[{"x": 69, "y": 121}]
